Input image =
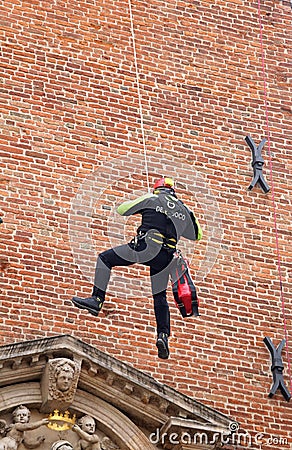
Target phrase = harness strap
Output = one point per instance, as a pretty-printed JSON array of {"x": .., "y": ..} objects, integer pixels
[{"x": 159, "y": 238}]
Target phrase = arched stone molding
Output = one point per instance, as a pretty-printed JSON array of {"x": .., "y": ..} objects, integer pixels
[
  {"x": 112, "y": 422},
  {"x": 20, "y": 394}
]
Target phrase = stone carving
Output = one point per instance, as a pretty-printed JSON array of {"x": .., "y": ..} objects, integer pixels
[
  {"x": 14, "y": 434},
  {"x": 59, "y": 383},
  {"x": 85, "y": 429},
  {"x": 61, "y": 445},
  {"x": 61, "y": 378}
]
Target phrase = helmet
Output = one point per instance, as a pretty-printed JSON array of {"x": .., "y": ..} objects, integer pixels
[{"x": 164, "y": 182}]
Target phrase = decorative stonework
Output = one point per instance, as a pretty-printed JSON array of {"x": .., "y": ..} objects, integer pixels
[
  {"x": 61, "y": 421},
  {"x": 85, "y": 429},
  {"x": 91, "y": 401},
  {"x": 59, "y": 383},
  {"x": 14, "y": 434}
]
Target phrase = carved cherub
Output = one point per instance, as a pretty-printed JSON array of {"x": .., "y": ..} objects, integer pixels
[
  {"x": 15, "y": 433},
  {"x": 85, "y": 428}
]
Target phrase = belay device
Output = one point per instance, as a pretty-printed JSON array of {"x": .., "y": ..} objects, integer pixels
[{"x": 183, "y": 288}]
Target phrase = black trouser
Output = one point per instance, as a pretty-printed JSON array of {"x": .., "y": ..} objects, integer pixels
[{"x": 156, "y": 257}]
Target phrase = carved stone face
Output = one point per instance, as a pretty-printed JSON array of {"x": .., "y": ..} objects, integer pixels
[
  {"x": 64, "y": 379},
  {"x": 21, "y": 415},
  {"x": 88, "y": 425}
]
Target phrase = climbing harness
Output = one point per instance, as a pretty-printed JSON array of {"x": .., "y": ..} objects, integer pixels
[
  {"x": 273, "y": 193},
  {"x": 156, "y": 237}
]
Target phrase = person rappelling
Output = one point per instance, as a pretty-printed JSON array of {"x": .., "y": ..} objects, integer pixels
[{"x": 165, "y": 219}]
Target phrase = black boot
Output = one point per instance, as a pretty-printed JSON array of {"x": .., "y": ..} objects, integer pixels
[
  {"x": 92, "y": 304},
  {"x": 162, "y": 345}
]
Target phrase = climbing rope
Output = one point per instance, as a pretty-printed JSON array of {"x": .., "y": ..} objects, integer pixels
[
  {"x": 139, "y": 94},
  {"x": 273, "y": 192}
]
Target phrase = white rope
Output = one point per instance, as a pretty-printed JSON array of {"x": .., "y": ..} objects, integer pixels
[{"x": 139, "y": 95}]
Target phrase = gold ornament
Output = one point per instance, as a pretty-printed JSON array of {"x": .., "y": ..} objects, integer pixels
[{"x": 61, "y": 422}]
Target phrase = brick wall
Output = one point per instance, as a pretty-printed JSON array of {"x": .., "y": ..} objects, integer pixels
[{"x": 72, "y": 149}]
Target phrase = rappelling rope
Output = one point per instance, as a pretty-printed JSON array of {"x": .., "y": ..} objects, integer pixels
[
  {"x": 139, "y": 94},
  {"x": 273, "y": 193}
]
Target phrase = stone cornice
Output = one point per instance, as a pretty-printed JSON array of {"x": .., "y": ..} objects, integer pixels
[{"x": 137, "y": 394}]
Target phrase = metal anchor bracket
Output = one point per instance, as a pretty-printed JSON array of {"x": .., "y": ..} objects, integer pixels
[
  {"x": 257, "y": 164},
  {"x": 277, "y": 368}
]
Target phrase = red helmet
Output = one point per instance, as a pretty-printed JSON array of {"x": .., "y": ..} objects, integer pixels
[{"x": 164, "y": 182}]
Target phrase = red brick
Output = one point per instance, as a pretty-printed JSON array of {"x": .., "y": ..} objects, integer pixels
[{"x": 69, "y": 104}]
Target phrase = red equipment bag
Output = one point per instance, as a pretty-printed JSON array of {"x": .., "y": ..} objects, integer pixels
[{"x": 183, "y": 288}]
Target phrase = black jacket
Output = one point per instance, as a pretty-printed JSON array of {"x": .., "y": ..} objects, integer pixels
[{"x": 165, "y": 213}]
